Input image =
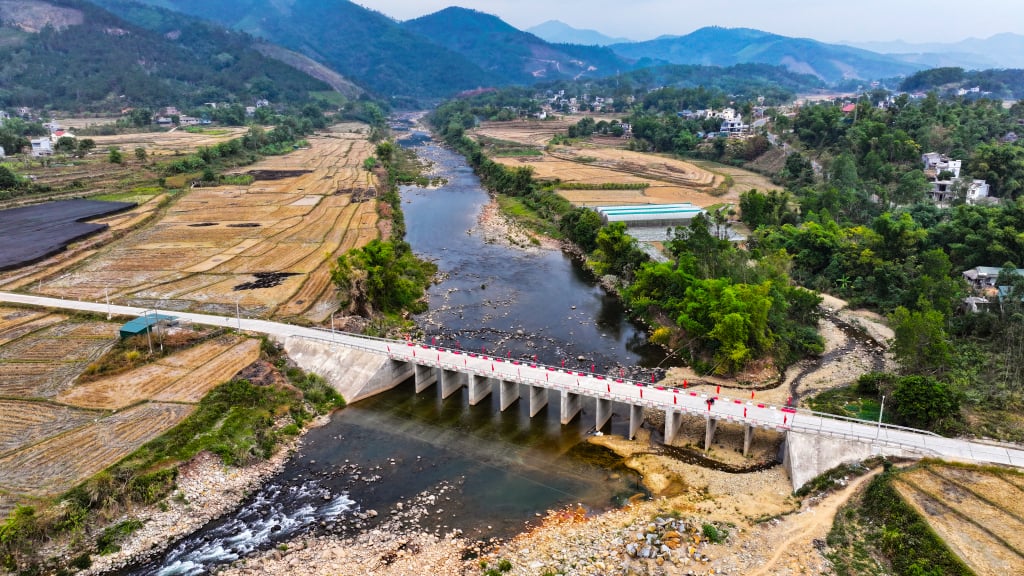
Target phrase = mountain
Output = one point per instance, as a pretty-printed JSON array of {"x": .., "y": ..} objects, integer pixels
[
  {"x": 717, "y": 46},
  {"x": 558, "y": 32},
  {"x": 73, "y": 55},
  {"x": 365, "y": 46},
  {"x": 169, "y": 23},
  {"x": 509, "y": 53},
  {"x": 999, "y": 51}
]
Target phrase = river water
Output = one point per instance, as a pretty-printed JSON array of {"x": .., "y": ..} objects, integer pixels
[{"x": 496, "y": 470}]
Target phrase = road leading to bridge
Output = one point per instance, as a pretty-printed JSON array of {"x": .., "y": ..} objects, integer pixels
[{"x": 747, "y": 411}]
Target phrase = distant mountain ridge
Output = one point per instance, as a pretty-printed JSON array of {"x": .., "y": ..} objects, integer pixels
[
  {"x": 507, "y": 52},
  {"x": 716, "y": 46},
  {"x": 558, "y": 32},
  {"x": 999, "y": 51}
]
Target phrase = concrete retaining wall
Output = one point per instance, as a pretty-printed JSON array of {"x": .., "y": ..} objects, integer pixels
[
  {"x": 807, "y": 456},
  {"x": 355, "y": 374}
]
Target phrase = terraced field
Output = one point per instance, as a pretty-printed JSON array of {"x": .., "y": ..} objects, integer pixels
[
  {"x": 215, "y": 247},
  {"x": 56, "y": 464},
  {"x": 42, "y": 357},
  {"x": 978, "y": 512}
]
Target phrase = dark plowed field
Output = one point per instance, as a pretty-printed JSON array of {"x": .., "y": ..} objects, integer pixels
[{"x": 31, "y": 233}]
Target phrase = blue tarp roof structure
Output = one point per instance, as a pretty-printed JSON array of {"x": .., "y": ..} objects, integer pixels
[{"x": 142, "y": 323}]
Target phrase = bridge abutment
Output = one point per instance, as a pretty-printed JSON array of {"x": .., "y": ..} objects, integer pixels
[
  {"x": 636, "y": 419},
  {"x": 571, "y": 406},
  {"x": 509, "y": 394},
  {"x": 604, "y": 412},
  {"x": 480, "y": 387},
  {"x": 451, "y": 382},
  {"x": 538, "y": 399}
]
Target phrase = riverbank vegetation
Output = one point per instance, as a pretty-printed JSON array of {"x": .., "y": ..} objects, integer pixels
[{"x": 384, "y": 281}]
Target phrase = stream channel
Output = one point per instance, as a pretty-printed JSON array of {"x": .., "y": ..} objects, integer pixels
[{"x": 499, "y": 469}]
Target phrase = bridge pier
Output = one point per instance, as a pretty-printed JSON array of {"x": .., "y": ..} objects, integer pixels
[
  {"x": 425, "y": 376},
  {"x": 673, "y": 421},
  {"x": 571, "y": 406},
  {"x": 636, "y": 420},
  {"x": 604, "y": 412},
  {"x": 538, "y": 399},
  {"x": 748, "y": 437},
  {"x": 509, "y": 393},
  {"x": 479, "y": 388},
  {"x": 709, "y": 432},
  {"x": 451, "y": 382}
]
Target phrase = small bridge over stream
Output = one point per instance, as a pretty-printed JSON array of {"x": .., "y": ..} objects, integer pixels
[{"x": 361, "y": 366}]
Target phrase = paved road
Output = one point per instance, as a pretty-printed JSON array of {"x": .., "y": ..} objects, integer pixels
[{"x": 720, "y": 406}]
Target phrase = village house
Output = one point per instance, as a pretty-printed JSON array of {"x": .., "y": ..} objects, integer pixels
[
  {"x": 982, "y": 279},
  {"x": 944, "y": 175},
  {"x": 42, "y": 147},
  {"x": 2, "y": 153},
  {"x": 188, "y": 121},
  {"x": 733, "y": 128}
]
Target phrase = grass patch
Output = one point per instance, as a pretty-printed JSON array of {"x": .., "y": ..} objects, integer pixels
[
  {"x": 517, "y": 153},
  {"x": 603, "y": 186},
  {"x": 521, "y": 211},
  {"x": 110, "y": 540},
  {"x": 847, "y": 402},
  {"x": 880, "y": 533}
]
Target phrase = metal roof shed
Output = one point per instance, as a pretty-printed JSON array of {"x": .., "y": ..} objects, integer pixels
[{"x": 143, "y": 323}]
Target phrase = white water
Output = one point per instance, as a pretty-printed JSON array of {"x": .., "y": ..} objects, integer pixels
[{"x": 276, "y": 512}]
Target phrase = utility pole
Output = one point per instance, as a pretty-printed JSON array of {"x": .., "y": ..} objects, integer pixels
[
  {"x": 333, "y": 338},
  {"x": 238, "y": 313},
  {"x": 106, "y": 293},
  {"x": 880, "y": 412},
  {"x": 149, "y": 330}
]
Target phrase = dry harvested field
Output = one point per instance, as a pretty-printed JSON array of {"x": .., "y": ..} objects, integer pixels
[
  {"x": 168, "y": 143},
  {"x": 45, "y": 360},
  {"x": 57, "y": 464},
  {"x": 978, "y": 512},
  {"x": 527, "y": 132},
  {"x": 182, "y": 377},
  {"x": 56, "y": 433},
  {"x": 266, "y": 246}
]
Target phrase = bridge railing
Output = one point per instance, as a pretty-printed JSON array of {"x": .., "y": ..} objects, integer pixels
[{"x": 353, "y": 339}]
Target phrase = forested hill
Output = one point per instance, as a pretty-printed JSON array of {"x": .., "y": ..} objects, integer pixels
[
  {"x": 73, "y": 55},
  {"x": 991, "y": 83},
  {"x": 509, "y": 53},
  {"x": 717, "y": 46},
  {"x": 365, "y": 46}
]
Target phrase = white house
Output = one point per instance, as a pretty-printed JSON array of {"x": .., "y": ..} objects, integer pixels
[
  {"x": 734, "y": 127},
  {"x": 977, "y": 190},
  {"x": 42, "y": 147},
  {"x": 2, "y": 153},
  {"x": 938, "y": 163}
]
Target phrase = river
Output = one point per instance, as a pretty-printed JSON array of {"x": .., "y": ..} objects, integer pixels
[{"x": 495, "y": 471}]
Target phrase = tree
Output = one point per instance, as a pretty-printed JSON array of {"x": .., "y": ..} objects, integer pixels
[
  {"x": 115, "y": 156},
  {"x": 8, "y": 179},
  {"x": 1002, "y": 166},
  {"x": 66, "y": 144},
  {"x": 920, "y": 345},
  {"x": 911, "y": 189},
  {"x": 581, "y": 226},
  {"x": 925, "y": 401},
  {"x": 140, "y": 154}
]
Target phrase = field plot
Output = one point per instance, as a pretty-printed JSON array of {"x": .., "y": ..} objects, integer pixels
[
  {"x": 528, "y": 132},
  {"x": 182, "y": 377},
  {"x": 57, "y": 464},
  {"x": 169, "y": 143},
  {"x": 45, "y": 362},
  {"x": 978, "y": 512},
  {"x": 26, "y": 423},
  {"x": 256, "y": 245}
]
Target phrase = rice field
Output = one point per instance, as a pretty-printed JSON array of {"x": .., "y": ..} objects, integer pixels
[{"x": 208, "y": 245}]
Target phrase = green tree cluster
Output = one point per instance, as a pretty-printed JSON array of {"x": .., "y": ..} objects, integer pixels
[{"x": 383, "y": 276}]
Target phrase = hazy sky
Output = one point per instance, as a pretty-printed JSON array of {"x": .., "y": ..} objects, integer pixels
[{"x": 827, "y": 20}]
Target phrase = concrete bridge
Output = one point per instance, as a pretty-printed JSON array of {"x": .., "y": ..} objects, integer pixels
[{"x": 359, "y": 367}]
